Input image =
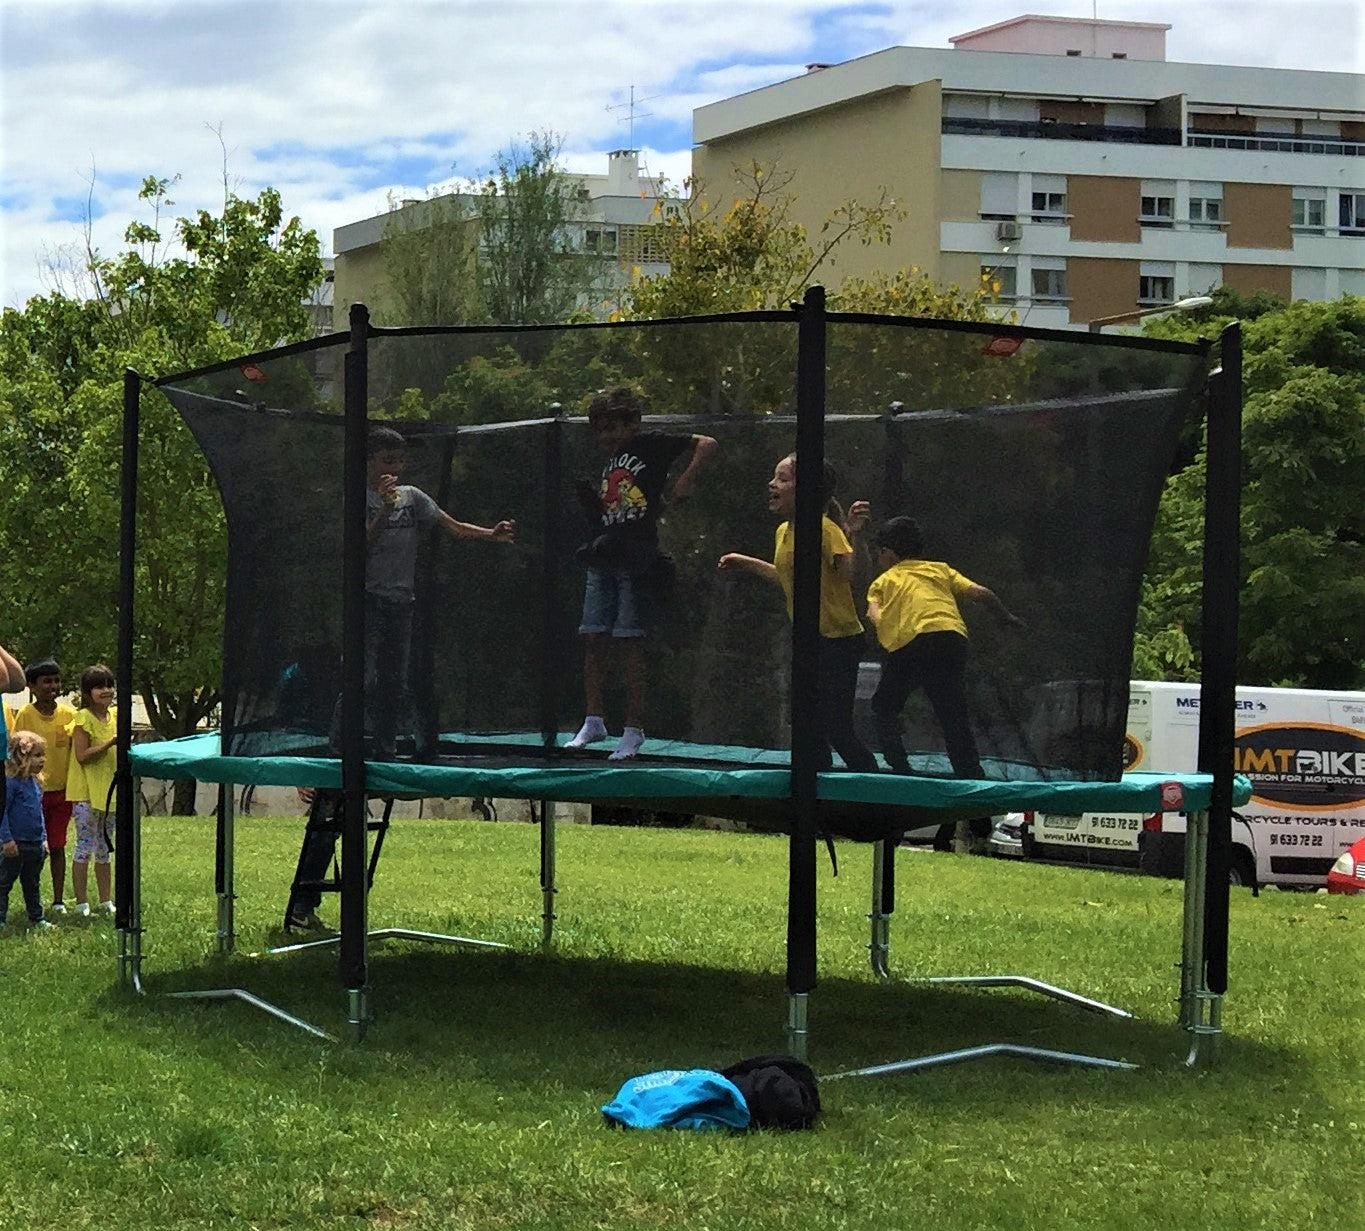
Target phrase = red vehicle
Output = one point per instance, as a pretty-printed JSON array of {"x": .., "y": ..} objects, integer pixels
[{"x": 1348, "y": 873}]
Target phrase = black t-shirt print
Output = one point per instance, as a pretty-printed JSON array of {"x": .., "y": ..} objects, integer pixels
[{"x": 630, "y": 497}]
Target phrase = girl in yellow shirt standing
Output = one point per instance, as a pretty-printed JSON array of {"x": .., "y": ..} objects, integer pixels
[
  {"x": 90, "y": 781},
  {"x": 841, "y": 632}
]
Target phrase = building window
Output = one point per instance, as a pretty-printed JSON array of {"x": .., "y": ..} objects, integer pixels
[
  {"x": 1156, "y": 288},
  {"x": 1049, "y": 207},
  {"x": 1206, "y": 207},
  {"x": 999, "y": 196},
  {"x": 600, "y": 241},
  {"x": 998, "y": 279},
  {"x": 1309, "y": 212},
  {"x": 1351, "y": 213},
  {"x": 1049, "y": 285},
  {"x": 1157, "y": 211}
]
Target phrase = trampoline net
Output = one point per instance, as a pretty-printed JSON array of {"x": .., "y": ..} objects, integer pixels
[{"x": 1034, "y": 471}]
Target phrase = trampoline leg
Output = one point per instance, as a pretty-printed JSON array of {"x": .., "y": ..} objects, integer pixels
[
  {"x": 798, "y": 1031},
  {"x": 227, "y": 896},
  {"x": 130, "y": 940},
  {"x": 1201, "y": 1011},
  {"x": 358, "y": 1017},
  {"x": 547, "y": 873},
  {"x": 1192, "y": 939},
  {"x": 879, "y": 944}
]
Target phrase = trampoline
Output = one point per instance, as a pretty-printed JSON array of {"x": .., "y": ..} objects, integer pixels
[{"x": 1037, "y": 469}]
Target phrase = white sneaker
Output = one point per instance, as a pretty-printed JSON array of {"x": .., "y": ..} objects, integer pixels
[
  {"x": 631, "y": 739},
  {"x": 593, "y": 731},
  {"x": 42, "y": 926},
  {"x": 83, "y": 908},
  {"x": 107, "y": 907},
  {"x": 59, "y": 908}
]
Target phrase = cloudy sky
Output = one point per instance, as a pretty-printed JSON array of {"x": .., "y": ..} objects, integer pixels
[{"x": 340, "y": 103}]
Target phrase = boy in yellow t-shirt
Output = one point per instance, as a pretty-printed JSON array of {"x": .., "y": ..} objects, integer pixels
[
  {"x": 45, "y": 715},
  {"x": 913, "y": 605}
]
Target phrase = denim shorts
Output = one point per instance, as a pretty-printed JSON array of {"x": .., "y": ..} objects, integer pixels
[{"x": 613, "y": 603}]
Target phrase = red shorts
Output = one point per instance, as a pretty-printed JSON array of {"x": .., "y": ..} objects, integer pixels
[{"x": 56, "y": 818}]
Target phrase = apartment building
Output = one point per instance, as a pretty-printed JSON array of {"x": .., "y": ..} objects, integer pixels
[
  {"x": 1071, "y": 161},
  {"x": 614, "y": 229}
]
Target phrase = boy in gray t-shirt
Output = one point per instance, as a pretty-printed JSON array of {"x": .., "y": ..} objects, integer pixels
[{"x": 395, "y": 518}]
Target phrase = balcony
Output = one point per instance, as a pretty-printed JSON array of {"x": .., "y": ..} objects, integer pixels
[{"x": 1051, "y": 130}]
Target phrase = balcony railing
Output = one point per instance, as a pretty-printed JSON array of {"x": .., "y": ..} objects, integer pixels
[
  {"x": 1284, "y": 143},
  {"x": 1055, "y": 131}
]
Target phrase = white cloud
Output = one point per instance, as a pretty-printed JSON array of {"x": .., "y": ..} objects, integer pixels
[{"x": 337, "y": 104}]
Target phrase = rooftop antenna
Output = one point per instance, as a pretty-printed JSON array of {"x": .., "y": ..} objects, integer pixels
[{"x": 629, "y": 108}]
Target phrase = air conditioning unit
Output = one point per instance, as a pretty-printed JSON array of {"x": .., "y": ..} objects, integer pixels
[{"x": 1006, "y": 231}]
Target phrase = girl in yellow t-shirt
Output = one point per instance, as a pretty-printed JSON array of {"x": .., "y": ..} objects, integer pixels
[
  {"x": 93, "y": 760},
  {"x": 914, "y": 607},
  {"x": 841, "y": 632}
]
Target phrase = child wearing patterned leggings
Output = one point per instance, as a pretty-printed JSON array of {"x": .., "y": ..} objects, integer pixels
[{"x": 90, "y": 782}]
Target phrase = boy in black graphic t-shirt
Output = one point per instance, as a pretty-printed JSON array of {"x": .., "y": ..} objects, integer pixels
[{"x": 623, "y": 550}]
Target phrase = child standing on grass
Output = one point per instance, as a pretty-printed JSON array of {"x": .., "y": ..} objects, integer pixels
[
  {"x": 841, "y": 632},
  {"x": 90, "y": 781},
  {"x": 22, "y": 837},
  {"x": 617, "y": 606},
  {"x": 45, "y": 715},
  {"x": 914, "y": 607}
]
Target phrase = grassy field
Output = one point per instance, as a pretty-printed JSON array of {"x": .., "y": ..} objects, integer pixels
[{"x": 474, "y": 1101}]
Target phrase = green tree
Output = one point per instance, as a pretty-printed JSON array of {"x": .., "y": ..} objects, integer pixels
[
  {"x": 530, "y": 269},
  {"x": 238, "y": 285},
  {"x": 1303, "y": 509},
  {"x": 431, "y": 272}
]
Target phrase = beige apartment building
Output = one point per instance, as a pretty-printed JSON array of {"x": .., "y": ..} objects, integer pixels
[
  {"x": 1071, "y": 160},
  {"x": 614, "y": 229}
]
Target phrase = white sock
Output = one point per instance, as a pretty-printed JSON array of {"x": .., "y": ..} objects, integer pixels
[
  {"x": 593, "y": 731},
  {"x": 631, "y": 739}
]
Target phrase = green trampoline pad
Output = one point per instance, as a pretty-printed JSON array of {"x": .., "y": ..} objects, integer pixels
[{"x": 745, "y": 784}]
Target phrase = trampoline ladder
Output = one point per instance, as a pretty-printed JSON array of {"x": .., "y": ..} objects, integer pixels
[{"x": 326, "y": 816}]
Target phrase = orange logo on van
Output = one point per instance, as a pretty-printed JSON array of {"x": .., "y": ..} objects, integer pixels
[{"x": 1304, "y": 765}]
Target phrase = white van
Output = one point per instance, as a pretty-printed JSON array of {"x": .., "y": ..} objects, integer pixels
[{"x": 1304, "y": 752}]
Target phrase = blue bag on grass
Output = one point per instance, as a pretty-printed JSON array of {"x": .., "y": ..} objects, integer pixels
[{"x": 679, "y": 1098}]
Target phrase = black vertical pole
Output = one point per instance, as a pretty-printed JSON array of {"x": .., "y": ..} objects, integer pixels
[
  {"x": 805, "y": 722},
  {"x": 123, "y": 807},
  {"x": 354, "y": 912},
  {"x": 552, "y": 655},
  {"x": 1218, "y": 640}
]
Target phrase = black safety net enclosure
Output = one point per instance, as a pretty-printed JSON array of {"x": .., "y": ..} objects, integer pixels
[{"x": 1031, "y": 462}]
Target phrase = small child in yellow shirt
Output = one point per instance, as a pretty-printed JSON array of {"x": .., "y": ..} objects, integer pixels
[{"x": 914, "y": 607}]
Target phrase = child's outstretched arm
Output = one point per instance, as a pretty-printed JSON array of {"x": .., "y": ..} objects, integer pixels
[
  {"x": 703, "y": 449},
  {"x": 988, "y": 597},
  {"x": 503, "y": 532},
  {"x": 13, "y": 677},
  {"x": 732, "y": 561}
]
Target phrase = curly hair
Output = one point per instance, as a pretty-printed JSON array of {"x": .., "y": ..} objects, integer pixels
[
  {"x": 26, "y": 750},
  {"x": 620, "y": 404}
]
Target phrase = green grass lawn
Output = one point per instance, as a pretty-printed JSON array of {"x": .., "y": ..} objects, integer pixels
[{"x": 474, "y": 1101}]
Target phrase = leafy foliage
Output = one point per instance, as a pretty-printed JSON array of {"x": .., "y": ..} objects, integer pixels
[
  {"x": 1303, "y": 509},
  {"x": 239, "y": 285}
]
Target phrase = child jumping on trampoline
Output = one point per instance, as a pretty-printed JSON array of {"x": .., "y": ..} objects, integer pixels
[
  {"x": 914, "y": 607},
  {"x": 621, "y": 592},
  {"x": 841, "y": 632},
  {"x": 395, "y": 515}
]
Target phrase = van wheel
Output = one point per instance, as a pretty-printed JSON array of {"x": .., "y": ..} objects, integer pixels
[{"x": 1242, "y": 870}]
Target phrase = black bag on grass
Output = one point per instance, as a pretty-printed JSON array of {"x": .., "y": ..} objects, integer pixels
[{"x": 781, "y": 1091}]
